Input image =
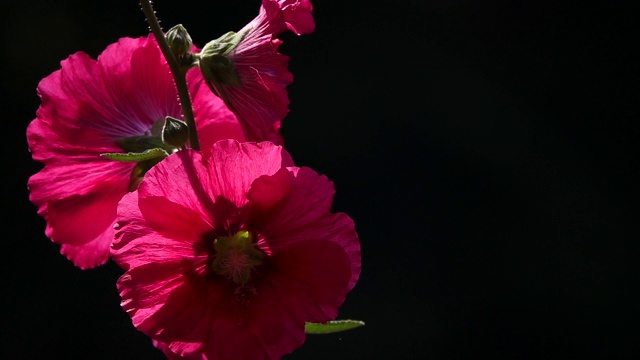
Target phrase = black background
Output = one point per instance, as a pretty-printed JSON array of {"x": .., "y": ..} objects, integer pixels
[{"x": 485, "y": 149}]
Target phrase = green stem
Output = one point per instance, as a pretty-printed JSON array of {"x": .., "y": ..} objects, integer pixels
[{"x": 179, "y": 75}]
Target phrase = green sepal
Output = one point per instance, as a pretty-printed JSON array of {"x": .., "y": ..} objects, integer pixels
[
  {"x": 225, "y": 43},
  {"x": 332, "y": 326},
  {"x": 219, "y": 70},
  {"x": 214, "y": 64},
  {"x": 137, "y": 156}
]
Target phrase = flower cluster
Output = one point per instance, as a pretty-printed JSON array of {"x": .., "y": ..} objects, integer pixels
[{"x": 229, "y": 249}]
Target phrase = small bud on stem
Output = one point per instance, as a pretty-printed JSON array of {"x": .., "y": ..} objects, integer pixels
[
  {"x": 179, "y": 75},
  {"x": 179, "y": 40},
  {"x": 175, "y": 132},
  {"x": 180, "y": 43}
]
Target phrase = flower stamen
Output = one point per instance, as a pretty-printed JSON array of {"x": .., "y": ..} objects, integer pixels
[{"x": 236, "y": 257}]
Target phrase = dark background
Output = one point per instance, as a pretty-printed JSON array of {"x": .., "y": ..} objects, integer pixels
[{"x": 485, "y": 149}]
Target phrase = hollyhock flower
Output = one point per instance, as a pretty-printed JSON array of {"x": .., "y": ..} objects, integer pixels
[
  {"x": 113, "y": 105},
  {"x": 228, "y": 256},
  {"x": 249, "y": 73}
]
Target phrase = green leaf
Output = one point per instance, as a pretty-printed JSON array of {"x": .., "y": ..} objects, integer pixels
[
  {"x": 137, "y": 156},
  {"x": 332, "y": 326}
]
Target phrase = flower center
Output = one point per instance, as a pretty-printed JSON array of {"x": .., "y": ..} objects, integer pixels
[{"x": 236, "y": 256}]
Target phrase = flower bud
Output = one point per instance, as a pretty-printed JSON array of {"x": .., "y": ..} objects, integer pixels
[
  {"x": 175, "y": 132},
  {"x": 179, "y": 40}
]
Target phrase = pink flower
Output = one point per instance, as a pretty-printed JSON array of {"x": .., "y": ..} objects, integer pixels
[
  {"x": 228, "y": 256},
  {"x": 249, "y": 73},
  {"x": 92, "y": 107}
]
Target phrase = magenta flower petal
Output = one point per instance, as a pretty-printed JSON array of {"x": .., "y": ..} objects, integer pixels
[
  {"x": 89, "y": 254},
  {"x": 233, "y": 175},
  {"x": 302, "y": 213},
  {"x": 297, "y": 15},
  {"x": 95, "y": 210},
  {"x": 139, "y": 244},
  {"x": 214, "y": 120},
  {"x": 208, "y": 275},
  {"x": 268, "y": 191},
  {"x": 87, "y": 106},
  {"x": 166, "y": 351}
]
